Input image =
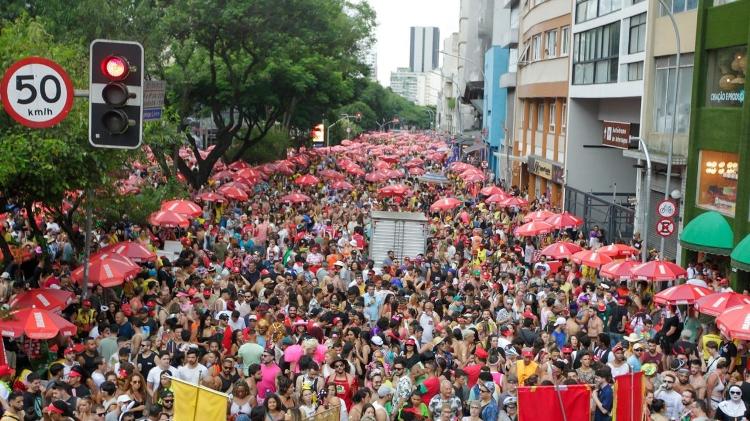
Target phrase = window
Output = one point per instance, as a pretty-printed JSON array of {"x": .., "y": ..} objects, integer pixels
[
  {"x": 717, "y": 181},
  {"x": 585, "y": 10},
  {"x": 536, "y": 48},
  {"x": 552, "y": 116},
  {"x": 608, "y": 6},
  {"x": 565, "y": 41},
  {"x": 637, "y": 39},
  {"x": 540, "y": 116},
  {"x": 595, "y": 55},
  {"x": 564, "y": 116},
  {"x": 664, "y": 85},
  {"x": 679, "y": 6},
  {"x": 635, "y": 71},
  {"x": 551, "y": 47},
  {"x": 725, "y": 80}
]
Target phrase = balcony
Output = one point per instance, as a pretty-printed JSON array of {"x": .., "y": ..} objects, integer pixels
[
  {"x": 508, "y": 80},
  {"x": 509, "y": 38}
]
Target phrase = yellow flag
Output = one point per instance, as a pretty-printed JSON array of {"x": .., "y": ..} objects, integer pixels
[{"x": 193, "y": 402}]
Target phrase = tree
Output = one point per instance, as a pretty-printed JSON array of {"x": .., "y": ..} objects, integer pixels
[
  {"x": 47, "y": 165},
  {"x": 256, "y": 64}
]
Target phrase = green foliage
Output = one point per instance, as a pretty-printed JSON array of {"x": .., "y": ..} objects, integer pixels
[
  {"x": 40, "y": 165},
  {"x": 271, "y": 147},
  {"x": 110, "y": 207}
]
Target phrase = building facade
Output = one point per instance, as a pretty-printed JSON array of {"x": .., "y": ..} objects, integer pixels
[
  {"x": 657, "y": 108},
  {"x": 405, "y": 83},
  {"x": 541, "y": 97},
  {"x": 424, "y": 44},
  {"x": 717, "y": 193},
  {"x": 608, "y": 50}
]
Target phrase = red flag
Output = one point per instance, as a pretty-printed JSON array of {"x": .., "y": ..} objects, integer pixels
[
  {"x": 551, "y": 401},
  {"x": 629, "y": 394}
]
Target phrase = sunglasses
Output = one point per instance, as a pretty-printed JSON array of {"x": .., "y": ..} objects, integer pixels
[
  {"x": 339, "y": 366},
  {"x": 668, "y": 382},
  {"x": 735, "y": 393}
]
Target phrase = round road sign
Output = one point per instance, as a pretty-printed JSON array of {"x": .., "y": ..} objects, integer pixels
[
  {"x": 37, "y": 92},
  {"x": 665, "y": 227},
  {"x": 666, "y": 208}
]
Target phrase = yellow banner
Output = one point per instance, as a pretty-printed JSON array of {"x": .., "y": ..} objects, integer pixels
[{"x": 193, "y": 402}]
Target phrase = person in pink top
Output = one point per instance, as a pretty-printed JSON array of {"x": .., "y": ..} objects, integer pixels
[{"x": 269, "y": 370}]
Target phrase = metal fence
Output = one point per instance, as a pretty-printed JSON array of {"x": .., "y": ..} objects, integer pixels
[{"x": 616, "y": 221}]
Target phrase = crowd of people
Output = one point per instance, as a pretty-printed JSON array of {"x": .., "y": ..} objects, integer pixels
[{"x": 278, "y": 305}]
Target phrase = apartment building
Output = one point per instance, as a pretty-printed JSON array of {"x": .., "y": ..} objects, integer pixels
[{"x": 541, "y": 93}]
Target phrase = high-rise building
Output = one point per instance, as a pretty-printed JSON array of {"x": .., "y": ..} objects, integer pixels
[
  {"x": 405, "y": 83},
  {"x": 424, "y": 47}
]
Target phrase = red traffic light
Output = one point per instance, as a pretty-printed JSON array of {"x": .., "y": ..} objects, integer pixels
[{"x": 115, "y": 67}]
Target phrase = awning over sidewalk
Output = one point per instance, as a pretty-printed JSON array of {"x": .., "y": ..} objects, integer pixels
[
  {"x": 741, "y": 255},
  {"x": 709, "y": 232}
]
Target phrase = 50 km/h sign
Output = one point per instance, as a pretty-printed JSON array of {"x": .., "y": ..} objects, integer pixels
[{"x": 37, "y": 92}]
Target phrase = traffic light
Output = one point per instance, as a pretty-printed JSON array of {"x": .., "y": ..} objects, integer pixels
[
  {"x": 318, "y": 134},
  {"x": 115, "y": 94},
  {"x": 358, "y": 116}
]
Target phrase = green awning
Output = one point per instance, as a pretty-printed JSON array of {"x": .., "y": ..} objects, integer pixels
[
  {"x": 741, "y": 255},
  {"x": 709, "y": 232}
]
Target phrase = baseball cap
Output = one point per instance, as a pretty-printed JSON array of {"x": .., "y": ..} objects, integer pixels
[
  {"x": 385, "y": 390},
  {"x": 527, "y": 353},
  {"x": 560, "y": 321}
]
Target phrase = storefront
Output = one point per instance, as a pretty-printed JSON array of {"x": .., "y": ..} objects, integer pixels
[
  {"x": 546, "y": 178},
  {"x": 717, "y": 198}
]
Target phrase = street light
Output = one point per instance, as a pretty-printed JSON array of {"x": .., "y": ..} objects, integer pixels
[
  {"x": 394, "y": 120},
  {"x": 328, "y": 130},
  {"x": 674, "y": 113}
]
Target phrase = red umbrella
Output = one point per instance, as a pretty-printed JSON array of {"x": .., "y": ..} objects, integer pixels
[
  {"x": 250, "y": 174},
  {"x": 618, "y": 270},
  {"x": 307, "y": 180},
  {"x": 658, "y": 270},
  {"x": 241, "y": 184},
  {"x": 391, "y": 174},
  {"x": 36, "y": 323},
  {"x": 342, "y": 185},
  {"x": 533, "y": 228},
  {"x": 183, "y": 207},
  {"x": 496, "y": 198},
  {"x": 734, "y": 322},
  {"x": 211, "y": 197},
  {"x": 223, "y": 175},
  {"x": 682, "y": 294},
  {"x": 394, "y": 190},
  {"x": 233, "y": 192},
  {"x": 238, "y": 165},
  {"x": 561, "y": 250},
  {"x": 47, "y": 299},
  {"x": 134, "y": 251},
  {"x": 513, "y": 201},
  {"x": 445, "y": 204},
  {"x": 295, "y": 198},
  {"x": 591, "y": 258},
  {"x": 716, "y": 303},
  {"x": 375, "y": 177},
  {"x": 540, "y": 215},
  {"x": 618, "y": 250},
  {"x": 565, "y": 220},
  {"x": 473, "y": 178},
  {"x": 416, "y": 162},
  {"x": 107, "y": 269},
  {"x": 331, "y": 174},
  {"x": 284, "y": 169},
  {"x": 490, "y": 190},
  {"x": 168, "y": 219},
  {"x": 416, "y": 171}
]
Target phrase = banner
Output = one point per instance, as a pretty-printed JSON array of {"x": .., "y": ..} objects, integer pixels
[
  {"x": 630, "y": 390},
  {"x": 557, "y": 403},
  {"x": 193, "y": 403}
]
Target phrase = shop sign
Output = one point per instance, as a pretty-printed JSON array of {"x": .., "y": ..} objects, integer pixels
[
  {"x": 727, "y": 99},
  {"x": 616, "y": 134},
  {"x": 545, "y": 169}
]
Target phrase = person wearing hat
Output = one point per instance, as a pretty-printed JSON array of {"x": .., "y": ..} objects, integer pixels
[
  {"x": 618, "y": 365},
  {"x": 346, "y": 384},
  {"x": 526, "y": 367},
  {"x": 510, "y": 410},
  {"x": 633, "y": 357}
]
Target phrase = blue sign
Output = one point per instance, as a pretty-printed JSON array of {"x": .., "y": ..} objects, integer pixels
[{"x": 152, "y": 114}]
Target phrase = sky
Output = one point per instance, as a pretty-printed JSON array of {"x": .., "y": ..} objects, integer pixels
[{"x": 395, "y": 17}]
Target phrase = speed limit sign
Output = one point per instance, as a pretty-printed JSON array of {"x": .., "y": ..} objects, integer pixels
[{"x": 37, "y": 92}]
